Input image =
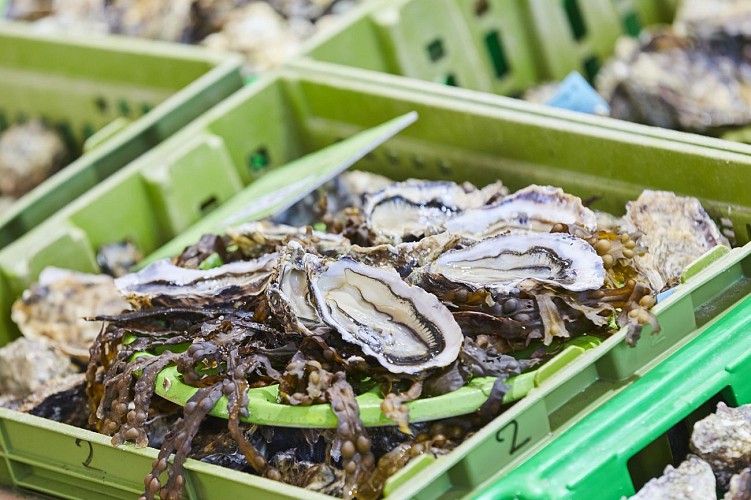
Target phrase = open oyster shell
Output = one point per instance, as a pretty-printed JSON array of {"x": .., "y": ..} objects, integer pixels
[
  {"x": 405, "y": 328},
  {"x": 509, "y": 262},
  {"x": 165, "y": 284},
  {"x": 416, "y": 208},
  {"x": 289, "y": 293},
  {"x": 534, "y": 208},
  {"x": 676, "y": 231}
]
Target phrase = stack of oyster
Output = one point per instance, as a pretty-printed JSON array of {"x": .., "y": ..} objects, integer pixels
[{"x": 409, "y": 289}]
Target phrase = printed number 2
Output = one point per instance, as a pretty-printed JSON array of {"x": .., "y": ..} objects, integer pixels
[{"x": 515, "y": 446}]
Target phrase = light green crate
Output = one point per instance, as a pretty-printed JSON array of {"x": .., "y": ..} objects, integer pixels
[
  {"x": 285, "y": 116},
  {"x": 134, "y": 92}
]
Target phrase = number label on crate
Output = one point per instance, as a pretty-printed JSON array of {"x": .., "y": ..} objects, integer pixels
[
  {"x": 90, "y": 455},
  {"x": 509, "y": 433}
]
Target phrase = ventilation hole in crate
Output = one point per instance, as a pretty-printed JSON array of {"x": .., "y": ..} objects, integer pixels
[
  {"x": 370, "y": 156},
  {"x": 66, "y": 132},
  {"x": 88, "y": 130},
  {"x": 748, "y": 231},
  {"x": 575, "y": 18},
  {"x": 145, "y": 108},
  {"x": 3, "y": 121},
  {"x": 672, "y": 447},
  {"x": 101, "y": 104},
  {"x": 258, "y": 160},
  {"x": 591, "y": 67},
  {"x": 481, "y": 7},
  {"x": 418, "y": 162},
  {"x": 209, "y": 204},
  {"x": 632, "y": 24},
  {"x": 444, "y": 167},
  {"x": 123, "y": 107},
  {"x": 451, "y": 80},
  {"x": 393, "y": 158},
  {"x": 435, "y": 49},
  {"x": 22, "y": 118},
  {"x": 497, "y": 54}
]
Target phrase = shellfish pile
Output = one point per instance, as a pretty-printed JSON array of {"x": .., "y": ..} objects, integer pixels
[{"x": 409, "y": 290}]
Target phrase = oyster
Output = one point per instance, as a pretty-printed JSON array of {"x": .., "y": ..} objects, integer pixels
[
  {"x": 713, "y": 20},
  {"x": 268, "y": 237},
  {"x": 405, "y": 328},
  {"x": 740, "y": 486},
  {"x": 29, "y": 153},
  {"x": 678, "y": 82},
  {"x": 288, "y": 293},
  {"x": 116, "y": 259},
  {"x": 415, "y": 208},
  {"x": 54, "y": 309},
  {"x": 724, "y": 440},
  {"x": 534, "y": 208},
  {"x": 676, "y": 231},
  {"x": 165, "y": 284},
  {"x": 28, "y": 364},
  {"x": 692, "y": 480},
  {"x": 510, "y": 262}
]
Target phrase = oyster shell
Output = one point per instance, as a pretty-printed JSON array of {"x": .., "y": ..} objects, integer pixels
[
  {"x": 678, "y": 82},
  {"x": 28, "y": 364},
  {"x": 692, "y": 480},
  {"x": 509, "y": 262},
  {"x": 534, "y": 208},
  {"x": 740, "y": 486},
  {"x": 165, "y": 284},
  {"x": 289, "y": 291},
  {"x": 724, "y": 440},
  {"x": 404, "y": 327},
  {"x": 29, "y": 153},
  {"x": 676, "y": 231},
  {"x": 55, "y": 307},
  {"x": 268, "y": 237},
  {"x": 416, "y": 208},
  {"x": 708, "y": 20},
  {"x": 116, "y": 259}
]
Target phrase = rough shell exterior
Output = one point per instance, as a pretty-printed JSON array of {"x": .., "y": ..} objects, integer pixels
[
  {"x": 676, "y": 231},
  {"x": 54, "y": 309},
  {"x": 723, "y": 439},
  {"x": 692, "y": 480}
]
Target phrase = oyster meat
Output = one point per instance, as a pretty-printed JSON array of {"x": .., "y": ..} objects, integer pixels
[
  {"x": 289, "y": 291},
  {"x": 509, "y": 262},
  {"x": 165, "y": 284},
  {"x": 54, "y": 309},
  {"x": 676, "y": 231},
  {"x": 405, "y": 328},
  {"x": 534, "y": 208},
  {"x": 415, "y": 208}
]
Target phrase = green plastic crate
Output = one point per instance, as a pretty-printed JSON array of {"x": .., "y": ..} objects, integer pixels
[
  {"x": 135, "y": 93},
  {"x": 500, "y": 46},
  {"x": 282, "y": 117},
  {"x": 624, "y": 443}
]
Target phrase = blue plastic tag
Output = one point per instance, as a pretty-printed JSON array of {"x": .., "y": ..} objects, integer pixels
[{"x": 576, "y": 94}]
